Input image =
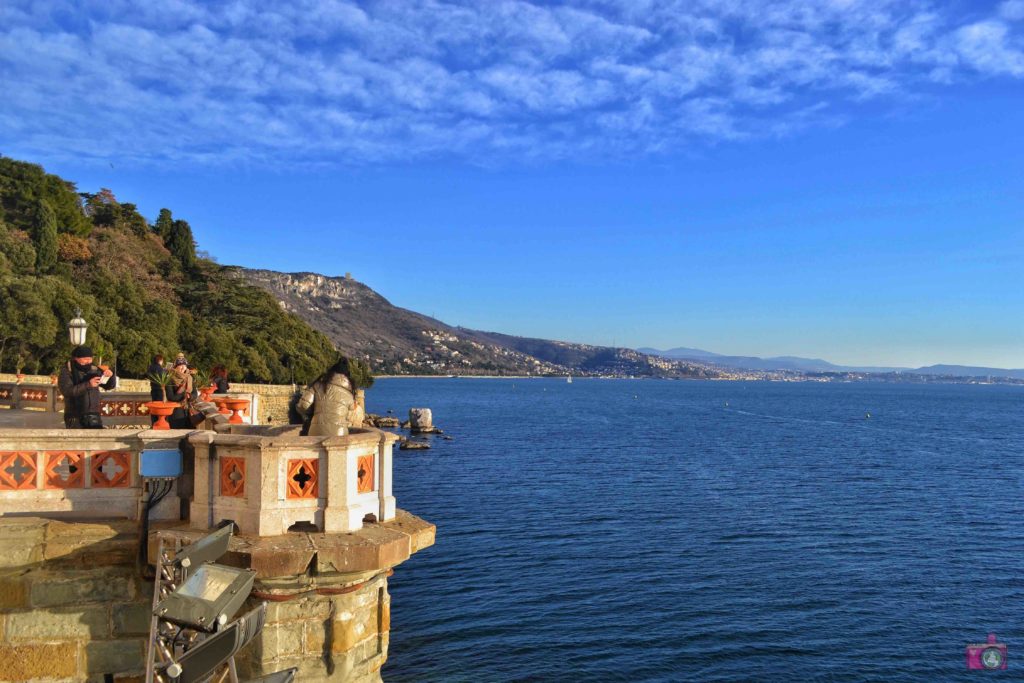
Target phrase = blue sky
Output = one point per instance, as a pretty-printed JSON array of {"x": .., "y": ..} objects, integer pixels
[{"x": 836, "y": 179}]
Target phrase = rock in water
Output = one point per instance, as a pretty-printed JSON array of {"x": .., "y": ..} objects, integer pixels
[
  {"x": 421, "y": 421},
  {"x": 421, "y": 418},
  {"x": 414, "y": 446}
]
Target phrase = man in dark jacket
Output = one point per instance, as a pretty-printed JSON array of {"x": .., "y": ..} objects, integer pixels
[{"x": 80, "y": 383}]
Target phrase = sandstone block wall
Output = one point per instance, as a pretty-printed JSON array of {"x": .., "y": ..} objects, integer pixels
[{"x": 71, "y": 605}]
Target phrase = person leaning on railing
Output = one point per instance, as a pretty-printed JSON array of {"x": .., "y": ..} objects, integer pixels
[{"x": 80, "y": 382}]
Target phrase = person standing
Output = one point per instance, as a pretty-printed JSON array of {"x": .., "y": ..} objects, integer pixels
[
  {"x": 181, "y": 392},
  {"x": 80, "y": 383},
  {"x": 219, "y": 378},
  {"x": 330, "y": 399},
  {"x": 155, "y": 369}
]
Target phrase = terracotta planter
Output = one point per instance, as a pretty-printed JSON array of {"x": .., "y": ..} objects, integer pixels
[
  {"x": 237, "y": 407},
  {"x": 206, "y": 392},
  {"x": 221, "y": 405},
  {"x": 162, "y": 410}
]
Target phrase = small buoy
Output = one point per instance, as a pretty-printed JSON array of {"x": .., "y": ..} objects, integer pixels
[{"x": 867, "y": 416}]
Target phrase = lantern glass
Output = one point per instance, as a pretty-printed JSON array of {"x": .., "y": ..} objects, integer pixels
[{"x": 76, "y": 329}]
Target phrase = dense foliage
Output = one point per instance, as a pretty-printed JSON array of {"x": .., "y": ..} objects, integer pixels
[{"x": 142, "y": 289}]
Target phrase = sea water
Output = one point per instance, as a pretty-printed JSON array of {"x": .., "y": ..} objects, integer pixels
[{"x": 654, "y": 530}]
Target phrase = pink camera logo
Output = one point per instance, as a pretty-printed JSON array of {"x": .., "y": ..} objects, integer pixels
[{"x": 990, "y": 655}]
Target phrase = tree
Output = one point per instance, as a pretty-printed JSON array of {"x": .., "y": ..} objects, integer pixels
[
  {"x": 182, "y": 245},
  {"x": 44, "y": 235},
  {"x": 164, "y": 225}
]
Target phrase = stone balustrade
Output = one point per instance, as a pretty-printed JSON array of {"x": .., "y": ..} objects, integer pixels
[
  {"x": 267, "y": 479},
  {"x": 120, "y": 409},
  {"x": 80, "y": 472}
]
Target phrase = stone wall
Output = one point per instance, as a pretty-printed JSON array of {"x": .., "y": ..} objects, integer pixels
[
  {"x": 71, "y": 605},
  {"x": 274, "y": 400}
]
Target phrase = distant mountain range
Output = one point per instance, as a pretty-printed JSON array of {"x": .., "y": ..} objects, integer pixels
[
  {"x": 797, "y": 364},
  {"x": 394, "y": 340}
]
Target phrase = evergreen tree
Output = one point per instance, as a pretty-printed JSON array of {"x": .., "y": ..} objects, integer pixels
[
  {"x": 44, "y": 235},
  {"x": 164, "y": 225},
  {"x": 182, "y": 245}
]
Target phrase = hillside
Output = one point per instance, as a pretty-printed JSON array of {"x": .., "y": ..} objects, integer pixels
[
  {"x": 140, "y": 285},
  {"x": 398, "y": 341}
]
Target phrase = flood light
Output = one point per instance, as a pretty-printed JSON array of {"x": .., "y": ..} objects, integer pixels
[
  {"x": 285, "y": 676},
  {"x": 198, "y": 663},
  {"x": 210, "y": 596},
  {"x": 207, "y": 549}
]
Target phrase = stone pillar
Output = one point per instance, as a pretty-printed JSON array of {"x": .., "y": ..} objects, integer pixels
[
  {"x": 384, "y": 479},
  {"x": 205, "y": 479},
  {"x": 343, "y": 512}
]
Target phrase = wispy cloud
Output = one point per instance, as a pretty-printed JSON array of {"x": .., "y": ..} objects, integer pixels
[{"x": 345, "y": 82}]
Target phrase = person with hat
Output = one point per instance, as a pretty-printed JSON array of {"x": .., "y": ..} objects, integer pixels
[{"x": 80, "y": 383}]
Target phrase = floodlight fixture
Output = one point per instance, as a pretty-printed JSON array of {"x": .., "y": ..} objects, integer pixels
[
  {"x": 209, "y": 598},
  {"x": 283, "y": 676},
  {"x": 202, "y": 660},
  {"x": 209, "y": 548}
]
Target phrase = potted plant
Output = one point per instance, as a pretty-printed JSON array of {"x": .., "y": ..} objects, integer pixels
[
  {"x": 204, "y": 384},
  {"x": 162, "y": 409},
  {"x": 19, "y": 365},
  {"x": 99, "y": 350},
  {"x": 55, "y": 374}
]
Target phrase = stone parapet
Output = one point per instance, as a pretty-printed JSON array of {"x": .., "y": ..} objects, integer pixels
[
  {"x": 267, "y": 479},
  {"x": 80, "y": 472}
]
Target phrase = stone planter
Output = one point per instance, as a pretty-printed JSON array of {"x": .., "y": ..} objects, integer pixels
[
  {"x": 162, "y": 410},
  {"x": 237, "y": 406},
  {"x": 221, "y": 403}
]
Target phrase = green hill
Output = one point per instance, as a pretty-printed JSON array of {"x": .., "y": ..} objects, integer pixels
[{"x": 140, "y": 285}]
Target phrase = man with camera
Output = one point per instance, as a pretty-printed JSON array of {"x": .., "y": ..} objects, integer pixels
[{"x": 80, "y": 383}]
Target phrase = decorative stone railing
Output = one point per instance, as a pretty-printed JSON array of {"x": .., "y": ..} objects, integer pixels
[
  {"x": 80, "y": 472},
  {"x": 267, "y": 479},
  {"x": 120, "y": 409}
]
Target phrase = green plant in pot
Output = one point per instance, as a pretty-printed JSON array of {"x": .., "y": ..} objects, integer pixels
[
  {"x": 203, "y": 381},
  {"x": 162, "y": 409}
]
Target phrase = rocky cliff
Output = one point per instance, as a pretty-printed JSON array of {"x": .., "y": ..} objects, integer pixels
[{"x": 395, "y": 340}]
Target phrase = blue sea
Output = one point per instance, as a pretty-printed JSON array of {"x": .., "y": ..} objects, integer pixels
[{"x": 652, "y": 530}]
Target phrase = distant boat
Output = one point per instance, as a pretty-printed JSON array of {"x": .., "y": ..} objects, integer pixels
[{"x": 568, "y": 380}]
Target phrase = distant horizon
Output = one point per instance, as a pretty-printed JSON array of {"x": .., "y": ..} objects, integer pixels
[
  {"x": 838, "y": 180},
  {"x": 615, "y": 344}
]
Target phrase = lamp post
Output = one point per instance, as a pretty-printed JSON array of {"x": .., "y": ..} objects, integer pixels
[{"x": 77, "y": 328}]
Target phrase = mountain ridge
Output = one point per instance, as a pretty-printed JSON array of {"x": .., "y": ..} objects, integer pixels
[
  {"x": 395, "y": 340},
  {"x": 817, "y": 365}
]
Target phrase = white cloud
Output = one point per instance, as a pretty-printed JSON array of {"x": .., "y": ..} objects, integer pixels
[{"x": 335, "y": 81}]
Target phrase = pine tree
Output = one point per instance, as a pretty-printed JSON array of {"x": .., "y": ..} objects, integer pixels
[
  {"x": 44, "y": 235},
  {"x": 164, "y": 225},
  {"x": 181, "y": 244}
]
